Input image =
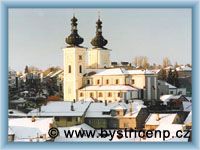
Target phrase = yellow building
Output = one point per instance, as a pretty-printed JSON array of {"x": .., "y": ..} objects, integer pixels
[{"x": 88, "y": 74}]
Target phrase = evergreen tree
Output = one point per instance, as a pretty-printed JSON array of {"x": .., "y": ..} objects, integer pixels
[
  {"x": 162, "y": 75},
  {"x": 170, "y": 77},
  {"x": 26, "y": 70},
  {"x": 176, "y": 81}
]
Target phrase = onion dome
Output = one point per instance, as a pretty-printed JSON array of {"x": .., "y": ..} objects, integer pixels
[
  {"x": 98, "y": 41},
  {"x": 74, "y": 39}
]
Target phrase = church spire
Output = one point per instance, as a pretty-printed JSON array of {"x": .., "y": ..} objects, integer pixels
[
  {"x": 98, "y": 41},
  {"x": 74, "y": 39}
]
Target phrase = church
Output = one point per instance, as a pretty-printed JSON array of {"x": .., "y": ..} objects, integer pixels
[{"x": 88, "y": 72}]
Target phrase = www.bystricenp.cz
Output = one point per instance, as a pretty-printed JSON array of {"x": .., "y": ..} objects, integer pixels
[{"x": 121, "y": 133}]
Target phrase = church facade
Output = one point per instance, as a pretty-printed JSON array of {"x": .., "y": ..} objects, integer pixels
[{"x": 88, "y": 73}]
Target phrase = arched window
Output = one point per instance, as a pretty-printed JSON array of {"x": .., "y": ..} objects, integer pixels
[
  {"x": 80, "y": 69},
  {"x": 69, "y": 69},
  {"x": 100, "y": 94}
]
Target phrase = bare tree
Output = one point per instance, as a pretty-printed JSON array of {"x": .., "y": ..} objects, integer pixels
[
  {"x": 141, "y": 62},
  {"x": 166, "y": 62}
]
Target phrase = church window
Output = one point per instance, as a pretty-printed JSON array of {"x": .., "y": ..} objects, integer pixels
[
  {"x": 117, "y": 81},
  {"x": 69, "y": 69},
  {"x": 80, "y": 69}
]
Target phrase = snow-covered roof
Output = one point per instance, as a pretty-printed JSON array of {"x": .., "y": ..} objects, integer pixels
[
  {"x": 97, "y": 109},
  {"x": 109, "y": 88},
  {"x": 56, "y": 73},
  {"x": 20, "y": 100},
  {"x": 170, "y": 86},
  {"x": 166, "y": 98},
  {"x": 16, "y": 113},
  {"x": 140, "y": 71},
  {"x": 120, "y": 71},
  {"x": 61, "y": 108},
  {"x": 24, "y": 129},
  {"x": 158, "y": 119},
  {"x": 187, "y": 106},
  {"x": 156, "y": 71},
  {"x": 168, "y": 67},
  {"x": 188, "y": 120},
  {"x": 184, "y": 68}
]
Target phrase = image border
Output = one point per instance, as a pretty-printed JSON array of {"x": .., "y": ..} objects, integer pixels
[{"x": 4, "y": 7}]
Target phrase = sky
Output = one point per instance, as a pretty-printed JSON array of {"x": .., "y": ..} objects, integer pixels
[{"x": 37, "y": 36}]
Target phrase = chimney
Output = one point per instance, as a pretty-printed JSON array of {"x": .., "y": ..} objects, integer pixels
[
  {"x": 106, "y": 103},
  {"x": 157, "y": 117},
  {"x": 72, "y": 107},
  {"x": 33, "y": 119}
]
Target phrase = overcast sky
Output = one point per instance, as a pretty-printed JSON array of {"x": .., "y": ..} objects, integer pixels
[{"x": 36, "y": 36}]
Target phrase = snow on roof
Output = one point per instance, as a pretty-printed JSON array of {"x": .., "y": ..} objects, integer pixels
[
  {"x": 61, "y": 108},
  {"x": 113, "y": 71},
  {"x": 109, "y": 88},
  {"x": 140, "y": 71},
  {"x": 10, "y": 131},
  {"x": 166, "y": 98},
  {"x": 120, "y": 71},
  {"x": 184, "y": 68},
  {"x": 24, "y": 128},
  {"x": 97, "y": 109},
  {"x": 170, "y": 86},
  {"x": 119, "y": 106},
  {"x": 187, "y": 106},
  {"x": 156, "y": 71},
  {"x": 20, "y": 100},
  {"x": 163, "y": 119},
  {"x": 56, "y": 73},
  {"x": 168, "y": 67},
  {"x": 17, "y": 113},
  {"x": 188, "y": 120}
]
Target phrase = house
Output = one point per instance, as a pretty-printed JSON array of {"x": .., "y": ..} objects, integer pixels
[
  {"x": 165, "y": 88},
  {"x": 29, "y": 129},
  {"x": 117, "y": 115},
  {"x": 178, "y": 102},
  {"x": 155, "y": 119},
  {"x": 65, "y": 113},
  {"x": 184, "y": 71}
]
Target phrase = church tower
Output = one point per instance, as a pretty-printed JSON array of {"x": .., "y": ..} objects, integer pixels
[
  {"x": 74, "y": 63},
  {"x": 98, "y": 56}
]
